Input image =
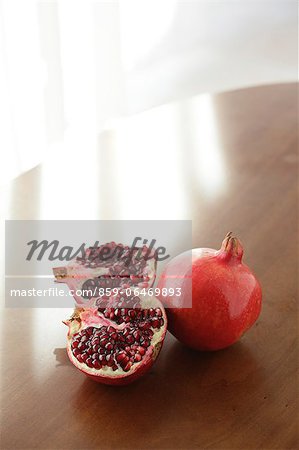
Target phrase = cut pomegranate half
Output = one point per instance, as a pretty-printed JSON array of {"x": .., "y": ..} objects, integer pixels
[
  {"x": 109, "y": 266},
  {"x": 116, "y": 345}
]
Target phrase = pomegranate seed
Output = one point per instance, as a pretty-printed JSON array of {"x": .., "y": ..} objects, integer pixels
[
  {"x": 124, "y": 362},
  {"x": 150, "y": 333},
  {"x": 144, "y": 325},
  {"x": 82, "y": 346},
  {"x": 120, "y": 356},
  {"x": 137, "y": 335},
  {"x": 95, "y": 341},
  {"x": 75, "y": 344},
  {"x": 96, "y": 364},
  {"x": 85, "y": 356},
  {"x": 127, "y": 367},
  {"x": 110, "y": 329},
  {"x": 141, "y": 350},
  {"x": 137, "y": 357},
  {"x": 155, "y": 323},
  {"x": 145, "y": 313},
  {"x": 95, "y": 356},
  {"x": 130, "y": 339},
  {"x": 114, "y": 367},
  {"x": 89, "y": 362},
  {"x": 158, "y": 312},
  {"x": 161, "y": 322},
  {"x": 103, "y": 342},
  {"x": 76, "y": 352},
  {"x": 152, "y": 312},
  {"x": 109, "y": 346},
  {"x": 79, "y": 358},
  {"x": 109, "y": 359}
]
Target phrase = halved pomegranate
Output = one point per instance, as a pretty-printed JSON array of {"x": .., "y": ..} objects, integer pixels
[
  {"x": 110, "y": 266},
  {"x": 118, "y": 343}
]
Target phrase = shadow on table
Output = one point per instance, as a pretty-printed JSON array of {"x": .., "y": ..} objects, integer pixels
[{"x": 61, "y": 356}]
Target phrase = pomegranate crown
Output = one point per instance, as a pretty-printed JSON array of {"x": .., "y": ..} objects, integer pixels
[{"x": 231, "y": 247}]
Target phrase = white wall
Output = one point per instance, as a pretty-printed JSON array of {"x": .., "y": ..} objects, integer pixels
[
  {"x": 69, "y": 66},
  {"x": 210, "y": 46}
]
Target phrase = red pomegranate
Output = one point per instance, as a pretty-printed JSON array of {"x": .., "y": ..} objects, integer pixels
[
  {"x": 122, "y": 267},
  {"x": 226, "y": 296},
  {"x": 118, "y": 343}
]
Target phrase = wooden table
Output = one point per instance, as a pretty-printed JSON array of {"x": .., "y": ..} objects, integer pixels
[{"x": 237, "y": 171}]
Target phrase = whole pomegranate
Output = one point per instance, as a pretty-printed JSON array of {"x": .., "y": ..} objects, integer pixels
[
  {"x": 226, "y": 296},
  {"x": 117, "y": 343}
]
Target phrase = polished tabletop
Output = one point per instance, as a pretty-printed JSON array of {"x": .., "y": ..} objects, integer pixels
[{"x": 228, "y": 162}]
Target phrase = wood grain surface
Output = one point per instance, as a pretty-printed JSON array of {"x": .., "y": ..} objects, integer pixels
[{"x": 244, "y": 397}]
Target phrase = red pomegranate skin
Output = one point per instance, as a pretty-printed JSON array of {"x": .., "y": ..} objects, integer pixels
[
  {"x": 123, "y": 381},
  {"x": 226, "y": 297}
]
